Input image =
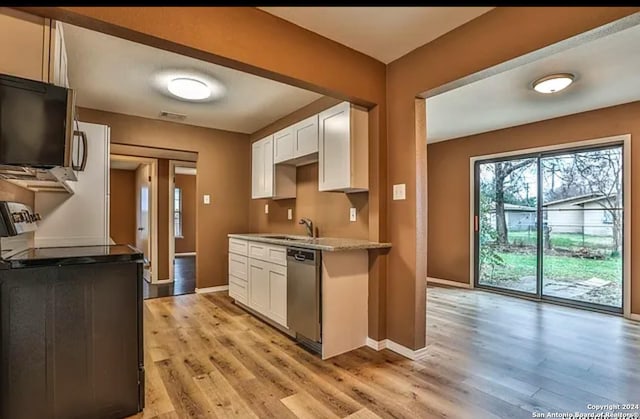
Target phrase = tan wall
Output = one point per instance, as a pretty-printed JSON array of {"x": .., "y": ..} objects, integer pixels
[
  {"x": 497, "y": 36},
  {"x": 224, "y": 172},
  {"x": 122, "y": 206},
  {"x": 449, "y": 175},
  {"x": 265, "y": 45},
  {"x": 328, "y": 210},
  {"x": 187, "y": 184}
]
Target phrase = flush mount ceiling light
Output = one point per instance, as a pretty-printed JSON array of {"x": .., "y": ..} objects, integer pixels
[
  {"x": 553, "y": 83},
  {"x": 188, "y": 85},
  {"x": 189, "y": 88}
]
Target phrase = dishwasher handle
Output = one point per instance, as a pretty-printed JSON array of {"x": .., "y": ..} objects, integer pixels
[{"x": 299, "y": 258}]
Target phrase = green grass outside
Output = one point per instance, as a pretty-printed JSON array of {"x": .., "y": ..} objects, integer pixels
[
  {"x": 563, "y": 240},
  {"x": 517, "y": 265}
]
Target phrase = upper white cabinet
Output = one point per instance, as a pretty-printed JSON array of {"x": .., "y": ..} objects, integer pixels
[
  {"x": 343, "y": 149},
  {"x": 267, "y": 179},
  {"x": 283, "y": 145},
  {"x": 32, "y": 47},
  {"x": 58, "y": 73},
  {"x": 297, "y": 144}
]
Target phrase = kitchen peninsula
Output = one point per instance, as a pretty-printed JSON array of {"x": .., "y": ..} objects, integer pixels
[{"x": 313, "y": 289}]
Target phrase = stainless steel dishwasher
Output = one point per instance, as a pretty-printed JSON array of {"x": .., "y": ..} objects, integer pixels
[{"x": 304, "y": 315}]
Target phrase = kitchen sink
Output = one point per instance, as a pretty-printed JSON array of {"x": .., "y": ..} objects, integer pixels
[{"x": 281, "y": 237}]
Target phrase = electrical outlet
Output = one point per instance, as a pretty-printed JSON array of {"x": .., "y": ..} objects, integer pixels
[
  {"x": 399, "y": 192},
  {"x": 266, "y": 208},
  {"x": 352, "y": 214},
  {"x": 206, "y": 199},
  {"x": 289, "y": 214}
]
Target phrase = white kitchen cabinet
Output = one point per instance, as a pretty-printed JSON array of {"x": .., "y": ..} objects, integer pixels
[
  {"x": 259, "y": 281},
  {"x": 343, "y": 153},
  {"x": 267, "y": 179},
  {"x": 305, "y": 137},
  {"x": 283, "y": 145},
  {"x": 259, "y": 293},
  {"x": 58, "y": 72}
]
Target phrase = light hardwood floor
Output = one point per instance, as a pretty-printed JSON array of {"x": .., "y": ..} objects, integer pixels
[{"x": 489, "y": 356}]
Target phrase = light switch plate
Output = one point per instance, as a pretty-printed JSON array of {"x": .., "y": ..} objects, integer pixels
[
  {"x": 399, "y": 192},
  {"x": 266, "y": 208},
  {"x": 289, "y": 214},
  {"x": 206, "y": 199},
  {"x": 352, "y": 214}
]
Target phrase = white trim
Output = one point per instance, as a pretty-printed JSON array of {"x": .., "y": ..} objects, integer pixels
[
  {"x": 379, "y": 345},
  {"x": 188, "y": 171},
  {"x": 162, "y": 281},
  {"x": 634, "y": 317},
  {"x": 153, "y": 233},
  {"x": 626, "y": 149},
  {"x": 448, "y": 282},
  {"x": 174, "y": 168},
  {"x": 184, "y": 254},
  {"x": 212, "y": 289},
  {"x": 376, "y": 345}
]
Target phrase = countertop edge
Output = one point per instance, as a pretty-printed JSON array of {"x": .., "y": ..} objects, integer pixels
[{"x": 364, "y": 245}]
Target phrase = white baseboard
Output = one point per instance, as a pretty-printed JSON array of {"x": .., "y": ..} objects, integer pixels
[
  {"x": 448, "y": 282},
  {"x": 212, "y": 289},
  {"x": 635, "y": 317},
  {"x": 185, "y": 254},
  {"x": 379, "y": 345}
]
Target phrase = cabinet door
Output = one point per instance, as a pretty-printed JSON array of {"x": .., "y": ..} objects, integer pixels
[
  {"x": 268, "y": 168},
  {"x": 24, "y": 310},
  {"x": 259, "y": 286},
  {"x": 23, "y": 52},
  {"x": 257, "y": 171},
  {"x": 306, "y": 137},
  {"x": 334, "y": 148},
  {"x": 283, "y": 145},
  {"x": 278, "y": 294}
]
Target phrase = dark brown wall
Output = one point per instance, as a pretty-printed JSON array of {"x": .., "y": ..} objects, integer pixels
[
  {"x": 187, "y": 244},
  {"x": 224, "y": 172},
  {"x": 328, "y": 210},
  {"x": 449, "y": 175},
  {"x": 122, "y": 206}
]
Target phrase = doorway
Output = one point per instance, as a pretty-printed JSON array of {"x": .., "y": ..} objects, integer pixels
[
  {"x": 549, "y": 225},
  {"x": 133, "y": 200}
]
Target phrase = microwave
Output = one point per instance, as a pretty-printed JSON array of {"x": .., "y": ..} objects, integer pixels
[{"x": 37, "y": 126}]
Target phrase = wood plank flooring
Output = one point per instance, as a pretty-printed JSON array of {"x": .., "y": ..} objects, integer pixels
[{"x": 489, "y": 356}]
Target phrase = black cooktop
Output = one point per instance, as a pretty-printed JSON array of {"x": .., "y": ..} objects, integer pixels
[{"x": 52, "y": 256}]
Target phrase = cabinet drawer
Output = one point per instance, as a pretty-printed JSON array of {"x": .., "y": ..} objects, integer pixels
[
  {"x": 238, "y": 246},
  {"x": 238, "y": 289},
  {"x": 268, "y": 253},
  {"x": 238, "y": 266}
]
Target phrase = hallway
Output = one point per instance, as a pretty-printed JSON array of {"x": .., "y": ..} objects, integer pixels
[{"x": 185, "y": 280}]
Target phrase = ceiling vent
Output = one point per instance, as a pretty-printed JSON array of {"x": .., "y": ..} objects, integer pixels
[{"x": 173, "y": 116}]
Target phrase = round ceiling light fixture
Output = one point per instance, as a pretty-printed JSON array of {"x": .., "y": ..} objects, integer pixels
[
  {"x": 189, "y": 88},
  {"x": 553, "y": 83}
]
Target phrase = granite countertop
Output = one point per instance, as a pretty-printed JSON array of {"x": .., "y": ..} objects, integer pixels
[{"x": 328, "y": 244}]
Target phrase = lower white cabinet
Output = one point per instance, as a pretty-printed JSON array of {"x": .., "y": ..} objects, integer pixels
[{"x": 265, "y": 287}]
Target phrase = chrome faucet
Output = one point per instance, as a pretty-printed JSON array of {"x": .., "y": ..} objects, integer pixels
[{"x": 309, "y": 225}]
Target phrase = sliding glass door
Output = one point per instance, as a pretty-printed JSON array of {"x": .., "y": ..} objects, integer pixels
[{"x": 550, "y": 226}]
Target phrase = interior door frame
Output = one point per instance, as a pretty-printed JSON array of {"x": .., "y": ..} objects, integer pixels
[
  {"x": 625, "y": 141},
  {"x": 172, "y": 186},
  {"x": 154, "y": 205}
]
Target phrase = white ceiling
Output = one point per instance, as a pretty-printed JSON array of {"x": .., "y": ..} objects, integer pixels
[
  {"x": 384, "y": 33},
  {"x": 606, "y": 72},
  {"x": 113, "y": 74},
  {"x": 123, "y": 164}
]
